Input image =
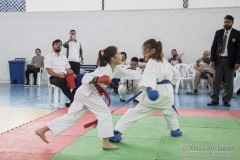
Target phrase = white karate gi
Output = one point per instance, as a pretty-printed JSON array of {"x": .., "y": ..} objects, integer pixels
[
  {"x": 236, "y": 84},
  {"x": 87, "y": 96},
  {"x": 153, "y": 73},
  {"x": 128, "y": 86}
]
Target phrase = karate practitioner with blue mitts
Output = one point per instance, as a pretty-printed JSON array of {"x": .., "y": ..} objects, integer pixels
[{"x": 156, "y": 84}]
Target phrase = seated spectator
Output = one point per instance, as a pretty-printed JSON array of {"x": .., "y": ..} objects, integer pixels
[
  {"x": 173, "y": 52},
  {"x": 128, "y": 86},
  {"x": 57, "y": 67},
  {"x": 115, "y": 81},
  {"x": 34, "y": 67},
  {"x": 124, "y": 58},
  {"x": 175, "y": 60},
  {"x": 203, "y": 70},
  {"x": 142, "y": 62}
]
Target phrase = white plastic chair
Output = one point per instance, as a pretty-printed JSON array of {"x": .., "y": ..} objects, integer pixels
[
  {"x": 39, "y": 77},
  {"x": 236, "y": 84},
  {"x": 56, "y": 91},
  {"x": 185, "y": 75},
  {"x": 237, "y": 72},
  {"x": 192, "y": 72},
  {"x": 202, "y": 80}
]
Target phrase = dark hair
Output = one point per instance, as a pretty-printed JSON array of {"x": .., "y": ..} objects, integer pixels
[
  {"x": 175, "y": 56},
  {"x": 141, "y": 60},
  {"x": 157, "y": 45},
  {"x": 229, "y": 17},
  {"x": 105, "y": 55},
  {"x": 56, "y": 41},
  {"x": 134, "y": 59},
  {"x": 174, "y": 50},
  {"x": 72, "y": 30},
  {"x": 37, "y": 49},
  {"x": 124, "y": 54}
]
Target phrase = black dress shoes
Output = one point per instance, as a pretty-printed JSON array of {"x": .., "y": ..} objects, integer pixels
[
  {"x": 67, "y": 104},
  {"x": 226, "y": 104},
  {"x": 122, "y": 100},
  {"x": 213, "y": 103},
  {"x": 136, "y": 101}
]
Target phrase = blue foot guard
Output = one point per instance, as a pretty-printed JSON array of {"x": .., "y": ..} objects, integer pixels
[
  {"x": 176, "y": 133},
  {"x": 116, "y": 138}
]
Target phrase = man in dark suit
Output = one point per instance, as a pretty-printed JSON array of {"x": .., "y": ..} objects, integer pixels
[{"x": 225, "y": 59}]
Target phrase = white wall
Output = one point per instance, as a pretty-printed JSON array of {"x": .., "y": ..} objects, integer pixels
[{"x": 190, "y": 31}]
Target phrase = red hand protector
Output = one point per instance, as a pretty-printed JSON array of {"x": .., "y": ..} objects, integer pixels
[{"x": 104, "y": 79}]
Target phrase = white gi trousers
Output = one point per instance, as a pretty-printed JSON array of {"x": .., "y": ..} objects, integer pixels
[
  {"x": 140, "y": 111},
  {"x": 123, "y": 91},
  {"x": 95, "y": 104}
]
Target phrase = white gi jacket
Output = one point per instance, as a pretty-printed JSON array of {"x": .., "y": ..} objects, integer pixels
[
  {"x": 130, "y": 83},
  {"x": 156, "y": 72},
  {"x": 119, "y": 72}
]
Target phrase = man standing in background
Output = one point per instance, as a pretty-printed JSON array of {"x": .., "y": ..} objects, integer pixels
[
  {"x": 74, "y": 52},
  {"x": 225, "y": 59}
]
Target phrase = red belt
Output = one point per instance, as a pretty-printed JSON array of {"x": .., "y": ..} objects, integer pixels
[{"x": 101, "y": 91}]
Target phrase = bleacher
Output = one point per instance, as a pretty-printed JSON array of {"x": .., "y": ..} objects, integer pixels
[{"x": 87, "y": 68}]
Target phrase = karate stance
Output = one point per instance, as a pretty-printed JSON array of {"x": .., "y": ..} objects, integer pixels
[
  {"x": 87, "y": 97},
  {"x": 156, "y": 80}
]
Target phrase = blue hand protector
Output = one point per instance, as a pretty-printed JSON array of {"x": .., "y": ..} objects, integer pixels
[{"x": 153, "y": 95}]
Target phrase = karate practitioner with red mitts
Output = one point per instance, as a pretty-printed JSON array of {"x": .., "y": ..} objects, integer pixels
[{"x": 88, "y": 97}]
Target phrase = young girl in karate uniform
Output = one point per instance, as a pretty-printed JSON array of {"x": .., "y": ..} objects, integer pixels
[
  {"x": 87, "y": 97},
  {"x": 155, "y": 96}
]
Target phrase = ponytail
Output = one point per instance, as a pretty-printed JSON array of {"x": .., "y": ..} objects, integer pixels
[
  {"x": 101, "y": 60},
  {"x": 157, "y": 45},
  {"x": 105, "y": 55}
]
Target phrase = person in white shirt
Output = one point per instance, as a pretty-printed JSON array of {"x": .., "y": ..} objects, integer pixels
[
  {"x": 157, "y": 78},
  {"x": 88, "y": 97},
  {"x": 57, "y": 67},
  {"x": 74, "y": 52},
  {"x": 129, "y": 86}
]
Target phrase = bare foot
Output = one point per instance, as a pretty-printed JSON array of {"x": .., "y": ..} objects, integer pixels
[
  {"x": 41, "y": 134},
  {"x": 109, "y": 147}
]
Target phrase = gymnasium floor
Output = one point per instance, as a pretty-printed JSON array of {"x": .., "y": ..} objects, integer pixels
[{"x": 208, "y": 132}]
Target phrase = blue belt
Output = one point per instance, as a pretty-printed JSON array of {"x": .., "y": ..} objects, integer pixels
[
  {"x": 164, "y": 82},
  {"x": 132, "y": 98}
]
